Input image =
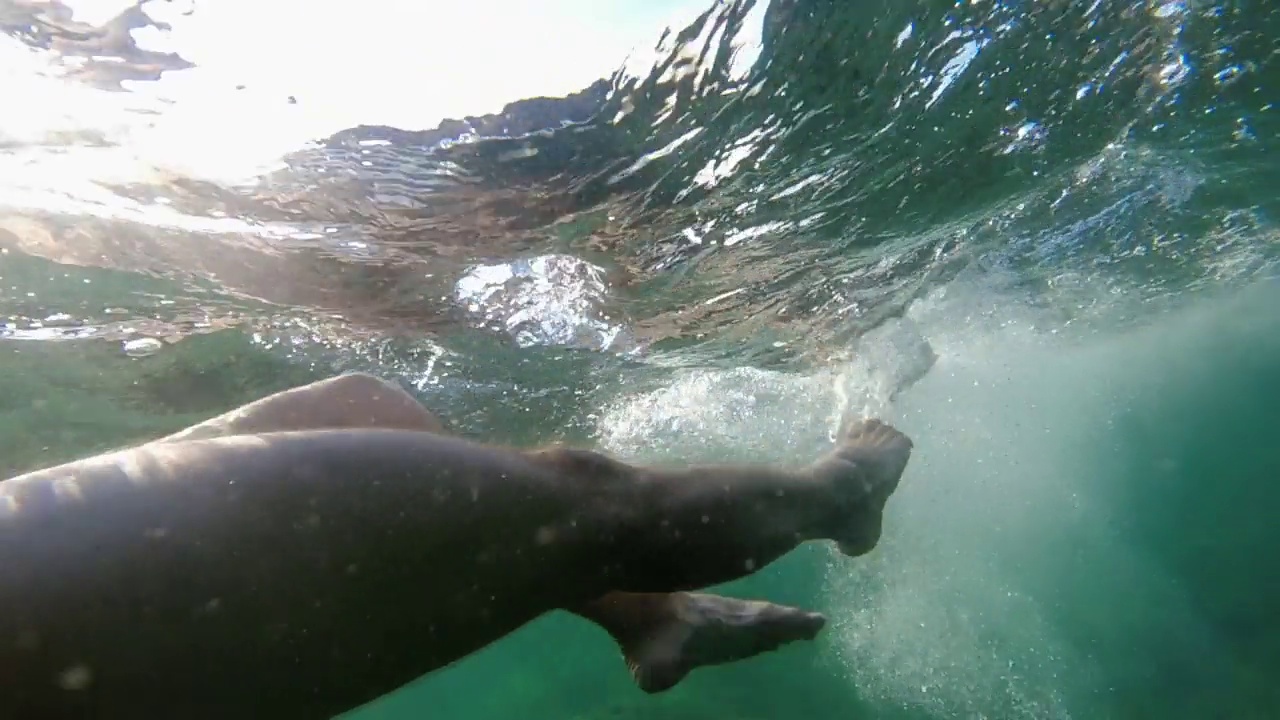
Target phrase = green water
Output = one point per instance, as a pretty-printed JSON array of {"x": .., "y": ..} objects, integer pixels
[
  {"x": 1070, "y": 205},
  {"x": 1085, "y": 529},
  {"x": 1084, "y": 532}
]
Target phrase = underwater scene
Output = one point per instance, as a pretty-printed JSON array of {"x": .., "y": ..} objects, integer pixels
[{"x": 1036, "y": 237}]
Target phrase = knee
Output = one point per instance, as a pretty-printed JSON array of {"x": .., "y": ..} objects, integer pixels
[
  {"x": 384, "y": 401},
  {"x": 361, "y": 381}
]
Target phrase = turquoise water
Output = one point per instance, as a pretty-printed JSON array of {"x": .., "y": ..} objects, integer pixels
[{"x": 1038, "y": 237}]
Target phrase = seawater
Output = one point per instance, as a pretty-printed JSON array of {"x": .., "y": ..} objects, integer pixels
[
  {"x": 1082, "y": 534},
  {"x": 1039, "y": 238}
]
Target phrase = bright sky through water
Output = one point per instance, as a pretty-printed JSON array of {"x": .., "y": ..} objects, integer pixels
[{"x": 405, "y": 63}]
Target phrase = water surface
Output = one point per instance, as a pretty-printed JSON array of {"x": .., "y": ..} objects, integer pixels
[{"x": 1039, "y": 237}]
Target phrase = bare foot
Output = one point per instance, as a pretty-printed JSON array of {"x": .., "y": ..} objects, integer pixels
[
  {"x": 862, "y": 471},
  {"x": 665, "y": 636}
]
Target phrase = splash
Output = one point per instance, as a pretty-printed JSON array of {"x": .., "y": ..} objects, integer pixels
[
  {"x": 1006, "y": 586},
  {"x": 546, "y": 300}
]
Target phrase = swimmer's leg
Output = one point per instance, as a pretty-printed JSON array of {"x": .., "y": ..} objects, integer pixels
[
  {"x": 700, "y": 526},
  {"x": 351, "y": 400},
  {"x": 662, "y": 636},
  {"x": 665, "y": 636}
]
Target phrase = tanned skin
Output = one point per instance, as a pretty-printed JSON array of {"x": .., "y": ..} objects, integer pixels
[
  {"x": 662, "y": 636},
  {"x": 301, "y": 574}
]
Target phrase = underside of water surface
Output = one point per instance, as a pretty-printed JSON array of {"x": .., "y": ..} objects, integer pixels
[{"x": 1040, "y": 238}]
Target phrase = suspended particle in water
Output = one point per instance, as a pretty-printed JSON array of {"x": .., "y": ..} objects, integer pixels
[
  {"x": 76, "y": 677},
  {"x": 142, "y": 347}
]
